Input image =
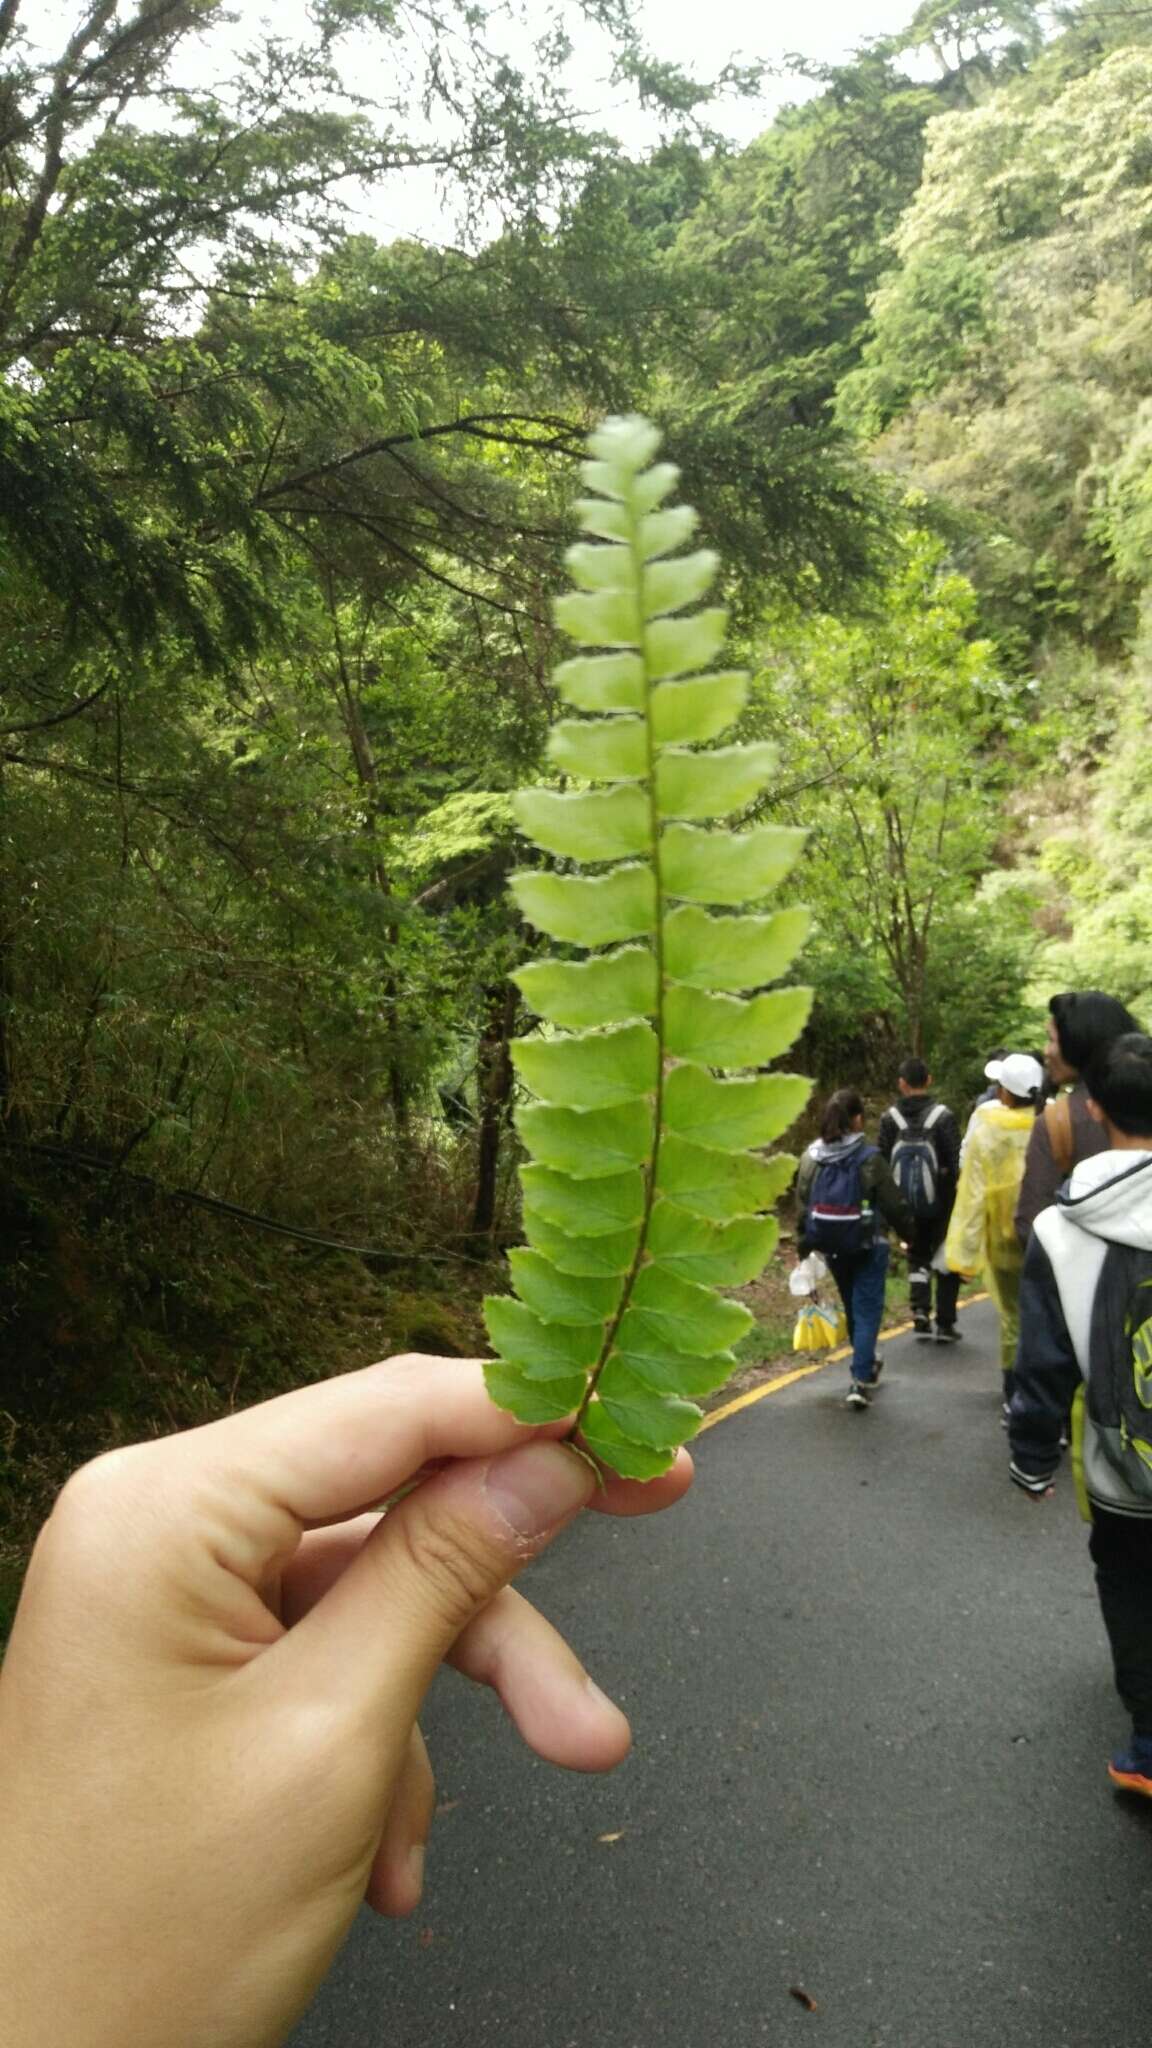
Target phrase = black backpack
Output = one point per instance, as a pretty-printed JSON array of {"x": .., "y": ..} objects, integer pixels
[
  {"x": 1120, "y": 1381},
  {"x": 915, "y": 1162},
  {"x": 839, "y": 1216}
]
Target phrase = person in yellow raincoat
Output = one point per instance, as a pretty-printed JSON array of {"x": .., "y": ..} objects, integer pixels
[{"x": 982, "y": 1234}]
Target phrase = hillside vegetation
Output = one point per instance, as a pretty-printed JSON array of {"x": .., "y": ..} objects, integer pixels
[{"x": 283, "y": 517}]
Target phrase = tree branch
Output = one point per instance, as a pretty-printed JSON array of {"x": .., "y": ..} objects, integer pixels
[
  {"x": 476, "y": 426},
  {"x": 59, "y": 717}
]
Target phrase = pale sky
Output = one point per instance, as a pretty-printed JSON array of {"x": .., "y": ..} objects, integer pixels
[{"x": 699, "y": 35}]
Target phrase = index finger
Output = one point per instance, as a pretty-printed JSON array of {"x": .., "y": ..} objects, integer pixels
[{"x": 326, "y": 1452}]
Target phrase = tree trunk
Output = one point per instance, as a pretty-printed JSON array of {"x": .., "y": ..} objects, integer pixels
[
  {"x": 495, "y": 1077},
  {"x": 11, "y": 1121},
  {"x": 368, "y": 775}
]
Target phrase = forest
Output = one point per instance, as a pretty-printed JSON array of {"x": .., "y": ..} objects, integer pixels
[{"x": 284, "y": 513}]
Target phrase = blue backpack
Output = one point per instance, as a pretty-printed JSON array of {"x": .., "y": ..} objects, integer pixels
[{"x": 840, "y": 1217}]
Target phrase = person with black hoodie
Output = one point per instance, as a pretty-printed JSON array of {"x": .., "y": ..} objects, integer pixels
[
  {"x": 920, "y": 1139},
  {"x": 1086, "y": 1344},
  {"x": 1079, "y": 1025}
]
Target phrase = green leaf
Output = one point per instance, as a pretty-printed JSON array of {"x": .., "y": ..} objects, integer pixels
[
  {"x": 593, "y": 1071},
  {"x": 542, "y": 1351},
  {"x": 588, "y": 1143},
  {"x": 594, "y": 569},
  {"x": 610, "y": 619},
  {"x": 581, "y": 993},
  {"x": 613, "y": 752},
  {"x": 601, "y": 516},
  {"x": 726, "y": 867},
  {"x": 721, "y": 1031},
  {"x": 632, "y": 1225},
  {"x": 698, "y": 710},
  {"x": 644, "y": 493},
  {"x": 641, "y": 1414},
  {"x": 678, "y": 647},
  {"x": 592, "y": 825},
  {"x": 607, "y": 1441},
  {"x": 660, "y": 532},
  {"x": 603, "y": 682},
  {"x": 589, "y": 910},
  {"x": 713, "y": 1255},
  {"x": 685, "y": 1316},
  {"x": 561, "y": 1297},
  {"x": 732, "y": 1115},
  {"x": 673, "y": 1372},
  {"x": 533, "y": 1401},
  {"x": 732, "y": 952},
  {"x": 711, "y": 785},
  {"x": 601, "y": 1258},
  {"x": 585, "y": 1208},
  {"x": 626, "y": 441},
  {"x": 719, "y": 1185},
  {"x": 669, "y": 586}
]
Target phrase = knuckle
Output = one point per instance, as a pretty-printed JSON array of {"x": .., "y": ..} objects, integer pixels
[
  {"x": 451, "y": 1562},
  {"x": 99, "y": 1488}
]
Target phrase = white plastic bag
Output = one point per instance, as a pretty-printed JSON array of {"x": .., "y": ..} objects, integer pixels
[{"x": 809, "y": 1276}]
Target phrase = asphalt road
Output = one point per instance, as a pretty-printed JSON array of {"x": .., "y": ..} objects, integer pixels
[{"x": 872, "y": 1705}]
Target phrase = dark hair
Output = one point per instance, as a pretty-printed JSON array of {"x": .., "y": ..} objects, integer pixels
[
  {"x": 840, "y": 1113},
  {"x": 1088, "y": 1021},
  {"x": 1119, "y": 1078},
  {"x": 915, "y": 1072}
]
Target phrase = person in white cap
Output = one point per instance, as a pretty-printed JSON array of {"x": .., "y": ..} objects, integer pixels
[{"x": 982, "y": 1235}]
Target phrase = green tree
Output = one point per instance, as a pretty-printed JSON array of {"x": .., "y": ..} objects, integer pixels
[{"x": 887, "y": 721}]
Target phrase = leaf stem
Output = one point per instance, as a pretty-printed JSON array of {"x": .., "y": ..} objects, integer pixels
[{"x": 651, "y": 1169}]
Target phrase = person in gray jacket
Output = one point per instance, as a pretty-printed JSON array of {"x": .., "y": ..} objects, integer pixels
[
  {"x": 1086, "y": 1343},
  {"x": 1078, "y": 1026}
]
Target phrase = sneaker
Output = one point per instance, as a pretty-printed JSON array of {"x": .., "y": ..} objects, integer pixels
[
  {"x": 922, "y": 1326},
  {"x": 859, "y": 1395},
  {"x": 877, "y": 1369},
  {"x": 947, "y": 1333},
  {"x": 1131, "y": 1771}
]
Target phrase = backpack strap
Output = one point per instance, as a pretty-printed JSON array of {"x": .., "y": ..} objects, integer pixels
[
  {"x": 1061, "y": 1138},
  {"x": 934, "y": 1115},
  {"x": 900, "y": 1120}
]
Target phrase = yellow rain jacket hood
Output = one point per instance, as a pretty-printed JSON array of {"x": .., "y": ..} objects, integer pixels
[{"x": 982, "y": 1231}]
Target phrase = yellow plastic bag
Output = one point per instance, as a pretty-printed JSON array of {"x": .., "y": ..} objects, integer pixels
[{"x": 818, "y": 1328}]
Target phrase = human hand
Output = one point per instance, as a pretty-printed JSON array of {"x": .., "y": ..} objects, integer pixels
[{"x": 208, "y": 1710}]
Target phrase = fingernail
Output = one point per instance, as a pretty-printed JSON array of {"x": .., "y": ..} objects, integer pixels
[
  {"x": 416, "y": 1859},
  {"x": 535, "y": 1489}
]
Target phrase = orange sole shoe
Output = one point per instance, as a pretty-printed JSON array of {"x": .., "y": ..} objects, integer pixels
[{"x": 1131, "y": 1781}]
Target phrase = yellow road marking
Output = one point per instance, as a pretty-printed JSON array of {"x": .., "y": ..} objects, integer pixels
[{"x": 804, "y": 1372}]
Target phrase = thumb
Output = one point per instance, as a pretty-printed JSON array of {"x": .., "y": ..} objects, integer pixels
[{"x": 433, "y": 1563}]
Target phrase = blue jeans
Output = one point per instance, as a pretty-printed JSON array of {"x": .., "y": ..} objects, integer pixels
[{"x": 860, "y": 1276}]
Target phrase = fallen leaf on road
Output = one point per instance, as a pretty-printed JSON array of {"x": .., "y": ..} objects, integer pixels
[
  {"x": 617, "y": 1837},
  {"x": 427, "y": 1937},
  {"x": 448, "y": 1806},
  {"x": 803, "y": 1998}
]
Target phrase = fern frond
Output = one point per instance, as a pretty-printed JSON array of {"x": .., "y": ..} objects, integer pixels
[{"x": 646, "y": 1183}]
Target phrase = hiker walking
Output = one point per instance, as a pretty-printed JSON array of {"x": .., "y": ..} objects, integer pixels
[
  {"x": 1078, "y": 1026},
  {"x": 920, "y": 1139},
  {"x": 982, "y": 1233},
  {"x": 1086, "y": 1341},
  {"x": 846, "y": 1195}
]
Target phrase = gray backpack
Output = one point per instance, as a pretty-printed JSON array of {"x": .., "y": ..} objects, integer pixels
[
  {"x": 1120, "y": 1382},
  {"x": 915, "y": 1165}
]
